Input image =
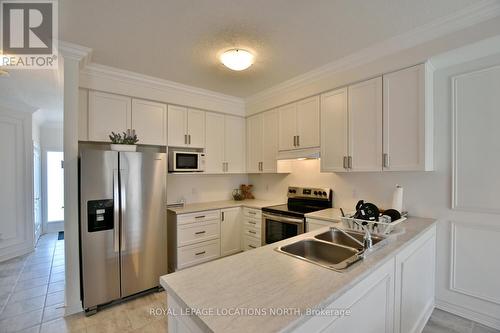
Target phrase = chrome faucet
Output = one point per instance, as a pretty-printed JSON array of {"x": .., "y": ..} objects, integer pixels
[{"x": 367, "y": 239}]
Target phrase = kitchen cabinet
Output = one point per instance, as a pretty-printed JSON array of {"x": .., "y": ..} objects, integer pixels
[
  {"x": 225, "y": 143},
  {"x": 230, "y": 229},
  {"x": 299, "y": 124},
  {"x": 365, "y": 125},
  {"x": 407, "y": 127},
  {"x": 108, "y": 113},
  {"x": 262, "y": 142},
  {"x": 186, "y": 127},
  {"x": 351, "y": 128},
  {"x": 252, "y": 228},
  {"x": 149, "y": 122},
  {"x": 314, "y": 224},
  {"x": 83, "y": 122},
  {"x": 334, "y": 130}
]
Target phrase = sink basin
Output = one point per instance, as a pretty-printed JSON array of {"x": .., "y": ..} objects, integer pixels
[
  {"x": 328, "y": 255},
  {"x": 336, "y": 236}
]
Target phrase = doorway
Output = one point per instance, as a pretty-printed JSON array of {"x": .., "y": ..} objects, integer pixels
[{"x": 54, "y": 177}]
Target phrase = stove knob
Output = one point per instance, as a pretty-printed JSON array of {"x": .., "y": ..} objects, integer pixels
[
  {"x": 315, "y": 192},
  {"x": 324, "y": 193},
  {"x": 290, "y": 191}
]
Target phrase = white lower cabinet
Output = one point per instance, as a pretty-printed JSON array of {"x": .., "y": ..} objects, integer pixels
[
  {"x": 250, "y": 243},
  {"x": 230, "y": 226},
  {"x": 198, "y": 253},
  {"x": 252, "y": 228},
  {"x": 312, "y": 224}
]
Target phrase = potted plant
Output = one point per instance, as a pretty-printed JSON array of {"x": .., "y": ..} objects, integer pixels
[{"x": 125, "y": 141}]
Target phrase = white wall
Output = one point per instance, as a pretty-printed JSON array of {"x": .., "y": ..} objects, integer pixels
[
  {"x": 426, "y": 194},
  {"x": 200, "y": 188}
]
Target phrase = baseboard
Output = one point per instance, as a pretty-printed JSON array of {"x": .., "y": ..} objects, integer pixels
[
  {"x": 16, "y": 253},
  {"x": 469, "y": 314},
  {"x": 72, "y": 309}
]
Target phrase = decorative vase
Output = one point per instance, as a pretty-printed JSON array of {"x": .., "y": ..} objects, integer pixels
[{"x": 119, "y": 147}]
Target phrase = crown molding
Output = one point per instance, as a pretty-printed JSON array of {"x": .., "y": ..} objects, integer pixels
[
  {"x": 106, "y": 78},
  {"x": 76, "y": 52},
  {"x": 472, "y": 15}
]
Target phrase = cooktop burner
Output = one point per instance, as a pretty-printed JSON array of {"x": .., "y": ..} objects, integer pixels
[{"x": 302, "y": 201}]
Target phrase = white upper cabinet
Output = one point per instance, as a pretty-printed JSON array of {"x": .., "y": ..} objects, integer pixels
[
  {"x": 269, "y": 141},
  {"x": 83, "y": 121},
  {"x": 308, "y": 123},
  {"x": 234, "y": 147},
  {"x": 288, "y": 127},
  {"x": 407, "y": 126},
  {"x": 365, "y": 125},
  {"x": 214, "y": 143},
  {"x": 254, "y": 143},
  {"x": 108, "y": 113},
  {"x": 334, "y": 131},
  {"x": 299, "y": 124},
  {"x": 186, "y": 127},
  {"x": 149, "y": 122}
]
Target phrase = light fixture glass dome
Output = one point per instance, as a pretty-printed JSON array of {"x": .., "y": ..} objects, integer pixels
[{"x": 237, "y": 59}]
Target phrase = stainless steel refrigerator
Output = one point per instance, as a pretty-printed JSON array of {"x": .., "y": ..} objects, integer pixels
[{"x": 122, "y": 224}]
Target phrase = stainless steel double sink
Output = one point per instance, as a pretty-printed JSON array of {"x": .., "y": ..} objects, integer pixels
[{"x": 335, "y": 249}]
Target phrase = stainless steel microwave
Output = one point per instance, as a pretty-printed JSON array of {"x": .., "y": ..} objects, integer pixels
[{"x": 186, "y": 161}]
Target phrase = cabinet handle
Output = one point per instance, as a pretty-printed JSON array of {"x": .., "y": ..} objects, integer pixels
[
  {"x": 253, "y": 247},
  {"x": 252, "y": 232},
  {"x": 385, "y": 157},
  {"x": 189, "y": 138},
  {"x": 200, "y": 217},
  {"x": 345, "y": 162},
  {"x": 199, "y": 232},
  {"x": 222, "y": 216},
  {"x": 185, "y": 139},
  {"x": 253, "y": 213},
  {"x": 295, "y": 141},
  {"x": 298, "y": 140},
  {"x": 349, "y": 162},
  {"x": 252, "y": 222},
  {"x": 200, "y": 253}
]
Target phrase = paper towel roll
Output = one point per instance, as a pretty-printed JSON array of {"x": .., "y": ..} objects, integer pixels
[{"x": 397, "y": 199}]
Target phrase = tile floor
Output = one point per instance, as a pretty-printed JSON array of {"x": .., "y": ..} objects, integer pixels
[{"x": 32, "y": 300}]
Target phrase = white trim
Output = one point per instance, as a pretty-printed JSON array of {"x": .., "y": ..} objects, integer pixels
[
  {"x": 468, "y": 314},
  {"x": 480, "y": 12},
  {"x": 76, "y": 52},
  {"x": 105, "y": 78}
]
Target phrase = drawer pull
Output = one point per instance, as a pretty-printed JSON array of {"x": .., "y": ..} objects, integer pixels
[
  {"x": 252, "y": 232},
  {"x": 200, "y": 217},
  {"x": 253, "y": 247},
  {"x": 200, "y": 253},
  {"x": 252, "y": 222},
  {"x": 200, "y": 232},
  {"x": 253, "y": 213}
]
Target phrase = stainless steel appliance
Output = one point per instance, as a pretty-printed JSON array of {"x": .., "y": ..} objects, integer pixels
[
  {"x": 288, "y": 220},
  {"x": 122, "y": 224},
  {"x": 186, "y": 161}
]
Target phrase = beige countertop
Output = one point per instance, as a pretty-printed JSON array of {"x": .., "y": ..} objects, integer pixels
[
  {"x": 201, "y": 206},
  {"x": 265, "y": 278},
  {"x": 330, "y": 214}
]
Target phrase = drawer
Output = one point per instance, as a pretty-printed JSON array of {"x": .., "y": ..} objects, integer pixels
[
  {"x": 197, "y": 253},
  {"x": 197, "y": 232},
  {"x": 252, "y": 223},
  {"x": 252, "y": 212},
  {"x": 250, "y": 243},
  {"x": 203, "y": 216},
  {"x": 251, "y": 231}
]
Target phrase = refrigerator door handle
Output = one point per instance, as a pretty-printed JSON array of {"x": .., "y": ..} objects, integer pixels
[
  {"x": 123, "y": 202},
  {"x": 116, "y": 212}
]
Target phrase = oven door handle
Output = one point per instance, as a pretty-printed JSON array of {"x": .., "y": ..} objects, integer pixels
[{"x": 280, "y": 218}]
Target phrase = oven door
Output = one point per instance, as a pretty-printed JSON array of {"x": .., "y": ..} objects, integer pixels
[
  {"x": 279, "y": 227},
  {"x": 186, "y": 161}
]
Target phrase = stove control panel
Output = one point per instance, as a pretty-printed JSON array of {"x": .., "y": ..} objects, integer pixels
[{"x": 309, "y": 193}]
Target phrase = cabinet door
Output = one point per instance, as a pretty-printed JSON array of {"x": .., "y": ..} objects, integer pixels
[
  {"x": 308, "y": 122},
  {"x": 405, "y": 120},
  {"x": 196, "y": 128},
  {"x": 214, "y": 143},
  {"x": 334, "y": 130},
  {"x": 149, "y": 122},
  {"x": 108, "y": 113},
  {"x": 254, "y": 143},
  {"x": 235, "y": 133},
  {"x": 230, "y": 231},
  {"x": 365, "y": 125},
  {"x": 287, "y": 127},
  {"x": 177, "y": 126},
  {"x": 270, "y": 141}
]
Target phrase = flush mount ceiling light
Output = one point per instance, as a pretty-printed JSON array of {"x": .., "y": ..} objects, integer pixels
[{"x": 237, "y": 59}]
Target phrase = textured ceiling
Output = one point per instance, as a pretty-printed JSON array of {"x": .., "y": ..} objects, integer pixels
[{"x": 179, "y": 40}]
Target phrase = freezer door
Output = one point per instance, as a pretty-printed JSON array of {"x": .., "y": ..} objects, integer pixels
[
  {"x": 99, "y": 227},
  {"x": 143, "y": 226}
]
